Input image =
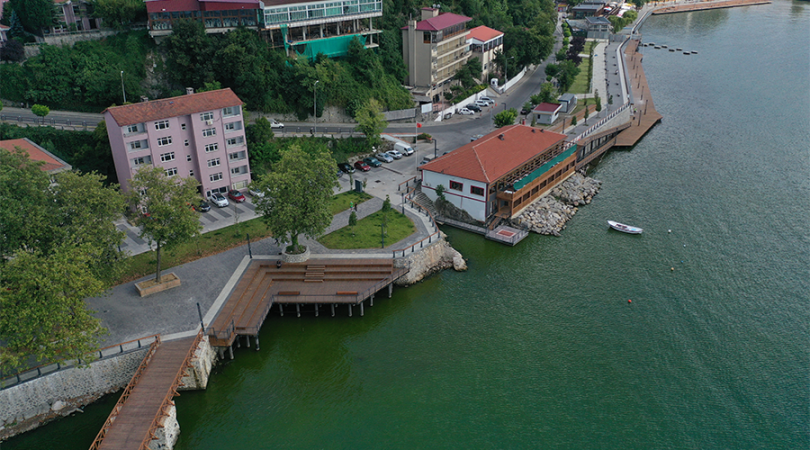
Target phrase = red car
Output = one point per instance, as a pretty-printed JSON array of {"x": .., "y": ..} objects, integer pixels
[
  {"x": 236, "y": 196},
  {"x": 361, "y": 165}
]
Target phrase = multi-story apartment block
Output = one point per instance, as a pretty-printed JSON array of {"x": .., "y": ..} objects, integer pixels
[
  {"x": 484, "y": 42},
  {"x": 299, "y": 26},
  {"x": 195, "y": 135},
  {"x": 434, "y": 49},
  {"x": 308, "y": 28},
  {"x": 74, "y": 15}
]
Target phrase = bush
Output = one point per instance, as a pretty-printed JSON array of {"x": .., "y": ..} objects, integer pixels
[
  {"x": 424, "y": 136},
  {"x": 40, "y": 110}
]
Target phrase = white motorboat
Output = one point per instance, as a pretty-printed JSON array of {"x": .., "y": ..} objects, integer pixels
[{"x": 624, "y": 228}]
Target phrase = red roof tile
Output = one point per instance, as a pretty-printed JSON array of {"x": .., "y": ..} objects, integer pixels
[
  {"x": 484, "y": 33},
  {"x": 441, "y": 22},
  {"x": 489, "y": 158},
  {"x": 547, "y": 107},
  {"x": 35, "y": 153},
  {"x": 173, "y": 107}
]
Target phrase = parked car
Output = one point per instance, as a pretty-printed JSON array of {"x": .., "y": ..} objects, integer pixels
[
  {"x": 394, "y": 154},
  {"x": 255, "y": 192},
  {"x": 488, "y": 100},
  {"x": 236, "y": 196},
  {"x": 425, "y": 160},
  {"x": 465, "y": 111},
  {"x": 219, "y": 200},
  {"x": 372, "y": 161},
  {"x": 346, "y": 167},
  {"x": 361, "y": 165},
  {"x": 475, "y": 137},
  {"x": 275, "y": 124},
  {"x": 473, "y": 107},
  {"x": 481, "y": 103},
  {"x": 525, "y": 111},
  {"x": 403, "y": 148},
  {"x": 384, "y": 157},
  {"x": 204, "y": 206}
]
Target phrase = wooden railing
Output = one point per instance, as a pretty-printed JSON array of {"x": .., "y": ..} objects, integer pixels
[{"x": 127, "y": 391}]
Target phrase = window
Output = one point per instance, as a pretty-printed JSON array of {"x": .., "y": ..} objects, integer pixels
[
  {"x": 166, "y": 157},
  {"x": 230, "y": 111},
  {"x": 162, "y": 124},
  {"x": 208, "y": 132},
  {"x": 216, "y": 177},
  {"x": 235, "y": 141},
  {"x": 236, "y": 156},
  {"x": 141, "y": 161},
  {"x": 211, "y": 147},
  {"x": 182, "y": 126},
  {"x": 233, "y": 126},
  {"x": 456, "y": 186},
  {"x": 164, "y": 141},
  {"x": 213, "y": 162},
  {"x": 205, "y": 117},
  {"x": 475, "y": 190},
  {"x": 191, "y": 173},
  {"x": 239, "y": 170},
  {"x": 188, "y": 158},
  {"x": 136, "y": 145},
  {"x": 133, "y": 128},
  {"x": 171, "y": 172},
  {"x": 185, "y": 142}
]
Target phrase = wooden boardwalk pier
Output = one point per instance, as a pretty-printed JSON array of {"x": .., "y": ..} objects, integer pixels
[
  {"x": 644, "y": 114},
  {"x": 146, "y": 399},
  {"x": 316, "y": 282}
]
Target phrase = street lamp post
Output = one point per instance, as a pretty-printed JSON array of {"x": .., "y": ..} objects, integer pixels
[
  {"x": 315, "y": 104},
  {"x": 122, "y": 87},
  {"x": 435, "y": 148}
]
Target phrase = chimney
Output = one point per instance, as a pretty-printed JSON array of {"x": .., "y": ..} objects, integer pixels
[
  {"x": 189, "y": 91},
  {"x": 144, "y": 99},
  {"x": 500, "y": 136},
  {"x": 429, "y": 13},
  {"x": 534, "y": 130}
]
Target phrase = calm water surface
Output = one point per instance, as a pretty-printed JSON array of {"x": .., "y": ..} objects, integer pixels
[{"x": 536, "y": 346}]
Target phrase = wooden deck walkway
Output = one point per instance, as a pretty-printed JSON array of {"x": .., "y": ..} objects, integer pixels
[
  {"x": 703, "y": 6},
  {"x": 645, "y": 116},
  {"x": 316, "y": 281},
  {"x": 142, "y": 401}
]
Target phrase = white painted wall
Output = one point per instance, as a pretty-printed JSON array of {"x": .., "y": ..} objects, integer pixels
[{"x": 475, "y": 205}]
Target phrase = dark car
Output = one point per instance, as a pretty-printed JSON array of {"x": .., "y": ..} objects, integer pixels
[
  {"x": 473, "y": 107},
  {"x": 525, "y": 111},
  {"x": 236, "y": 196},
  {"x": 372, "y": 161},
  {"x": 361, "y": 165},
  {"x": 346, "y": 167},
  {"x": 204, "y": 206}
]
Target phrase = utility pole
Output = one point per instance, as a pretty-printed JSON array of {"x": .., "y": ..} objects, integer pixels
[
  {"x": 122, "y": 87},
  {"x": 315, "y": 104}
]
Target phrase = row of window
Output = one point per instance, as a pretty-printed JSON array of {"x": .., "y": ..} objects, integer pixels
[
  {"x": 172, "y": 171},
  {"x": 475, "y": 190},
  {"x": 319, "y": 10},
  {"x": 163, "y": 124}
]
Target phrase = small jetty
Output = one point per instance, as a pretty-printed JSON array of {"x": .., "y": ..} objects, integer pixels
[
  {"x": 644, "y": 114},
  {"x": 704, "y": 6}
]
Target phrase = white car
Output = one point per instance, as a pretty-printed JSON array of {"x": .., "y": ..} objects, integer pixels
[
  {"x": 482, "y": 103},
  {"x": 275, "y": 124},
  {"x": 488, "y": 100},
  {"x": 254, "y": 192},
  {"x": 384, "y": 157},
  {"x": 465, "y": 111},
  {"x": 394, "y": 154},
  {"x": 219, "y": 200}
]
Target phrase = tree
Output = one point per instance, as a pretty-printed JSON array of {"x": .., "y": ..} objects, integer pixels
[
  {"x": 40, "y": 110},
  {"x": 297, "y": 195},
  {"x": 371, "y": 121},
  {"x": 44, "y": 314},
  {"x": 16, "y": 28},
  {"x": 34, "y": 14},
  {"x": 119, "y": 13},
  {"x": 598, "y": 101},
  {"x": 586, "y": 111},
  {"x": 546, "y": 94},
  {"x": 12, "y": 51},
  {"x": 506, "y": 117},
  {"x": 352, "y": 221},
  {"x": 573, "y": 120},
  {"x": 168, "y": 218}
]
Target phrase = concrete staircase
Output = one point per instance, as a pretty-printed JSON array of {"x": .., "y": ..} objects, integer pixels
[{"x": 427, "y": 203}]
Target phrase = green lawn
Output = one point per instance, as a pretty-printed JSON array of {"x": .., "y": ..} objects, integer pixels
[
  {"x": 206, "y": 244},
  {"x": 342, "y": 201},
  {"x": 582, "y": 82},
  {"x": 367, "y": 232},
  {"x": 588, "y": 46}
]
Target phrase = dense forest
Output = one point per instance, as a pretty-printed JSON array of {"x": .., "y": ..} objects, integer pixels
[{"x": 88, "y": 75}]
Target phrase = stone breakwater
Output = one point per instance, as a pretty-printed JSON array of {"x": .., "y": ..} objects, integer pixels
[
  {"x": 549, "y": 213},
  {"x": 438, "y": 256}
]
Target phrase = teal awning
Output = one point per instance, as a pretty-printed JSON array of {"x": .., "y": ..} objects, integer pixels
[{"x": 537, "y": 173}]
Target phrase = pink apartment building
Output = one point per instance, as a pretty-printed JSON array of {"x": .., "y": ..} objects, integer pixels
[{"x": 195, "y": 135}]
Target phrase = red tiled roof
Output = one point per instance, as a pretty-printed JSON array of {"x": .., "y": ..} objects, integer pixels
[
  {"x": 35, "y": 153},
  {"x": 441, "y": 22},
  {"x": 489, "y": 158},
  {"x": 547, "y": 107},
  {"x": 484, "y": 33},
  {"x": 173, "y": 107}
]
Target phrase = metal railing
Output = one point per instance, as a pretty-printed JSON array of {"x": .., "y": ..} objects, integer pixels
[
  {"x": 125, "y": 395},
  {"x": 47, "y": 369},
  {"x": 167, "y": 400},
  {"x": 421, "y": 242},
  {"x": 42, "y": 121}
]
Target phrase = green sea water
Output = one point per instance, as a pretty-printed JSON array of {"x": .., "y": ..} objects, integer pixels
[{"x": 536, "y": 346}]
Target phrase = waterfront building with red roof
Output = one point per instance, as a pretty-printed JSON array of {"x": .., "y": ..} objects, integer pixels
[
  {"x": 502, "y": 173},
  {"x": 484, "y": 42},
  {"x": 194, "y": 135},
  {"x": 434, "y": 49},
  {"x": 547, "y": 113}
]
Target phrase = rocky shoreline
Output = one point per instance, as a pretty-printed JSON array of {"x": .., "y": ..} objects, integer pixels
[{"x": 549, "y": 214}]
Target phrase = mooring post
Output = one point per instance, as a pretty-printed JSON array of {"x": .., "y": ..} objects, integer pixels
[
  {"x": 238, "y": 342},
  {"x": 280, "y": 310},
  {"x": 390, "y": 289},
  {"x": 371, "y": 302},
  {"x": 257, "y": 342},
  {"x": 221, "y": 352},
  {"x": 230, "y": 351},
  {"x": 350, "y": 310},
  {"x": 298, "y": 309},
  {"x": 248, "y": 340},
  {"x": 316, "y": 310},
  {"x": 361, "y": 309},
  {"x": 333, "y": 310}
]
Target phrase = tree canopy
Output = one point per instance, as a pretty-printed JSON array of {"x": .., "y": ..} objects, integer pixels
[
  {"x": 371, "y": 121},
  {"x": 165, "y": 203},
  {"x": 34, "y": 14},
  {"x": 506, "y": 117},
  {"x": 119, "y": 13},
  {"x": 297, "y": 195}
]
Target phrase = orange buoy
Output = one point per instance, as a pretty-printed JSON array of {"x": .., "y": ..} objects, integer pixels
[{"x": 629, "y": 301}]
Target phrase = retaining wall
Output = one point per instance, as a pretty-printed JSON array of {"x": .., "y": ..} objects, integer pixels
[{"x": 436, "y": 257}]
